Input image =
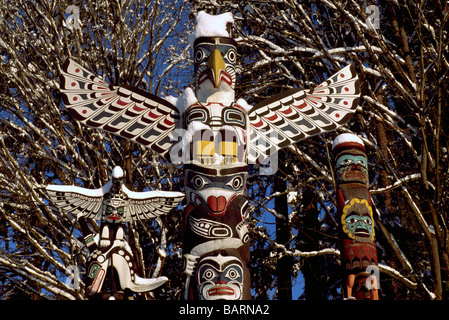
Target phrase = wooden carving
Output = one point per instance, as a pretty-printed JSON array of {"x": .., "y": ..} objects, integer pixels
[
  {"x": 214, "y": 136},
  {"x": 109, "y": 252},
  {"x": 357, "y": 243}
]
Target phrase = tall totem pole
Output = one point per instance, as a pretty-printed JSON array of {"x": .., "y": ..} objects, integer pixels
[
  {"x": 358, "y": 248},
  {"x": 216, "y": 241},
  {"x": 214, "y": 137}
]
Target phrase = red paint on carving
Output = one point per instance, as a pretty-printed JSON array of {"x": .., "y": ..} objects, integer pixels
[
  {"x": 216, "y": 204},
  {"x": 122, "y": 103}
]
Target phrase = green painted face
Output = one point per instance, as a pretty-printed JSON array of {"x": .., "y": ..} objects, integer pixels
[
  {"x": 359, "y": 225},
  {"x": 357, "y": 220},
  {"x": 348, "y": 159},
  {"x": 114, "y": 210},
  {"x": 352, "y": 168}
]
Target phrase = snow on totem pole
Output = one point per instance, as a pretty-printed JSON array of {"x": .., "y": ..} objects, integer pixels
[
  {"x": 358, "y": 248},
  {"x": 214, "y": 137},
  {"x": 216, "y": 241},
  {"x": 109, "y": 252}
]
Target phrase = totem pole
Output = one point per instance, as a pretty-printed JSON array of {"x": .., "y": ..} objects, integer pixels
[
  {"x": 109, "y": 252},
  {"x": 357, "y": 245},
  {"x": 214, "y": 137},
  {"x": 216, "y": 246}
]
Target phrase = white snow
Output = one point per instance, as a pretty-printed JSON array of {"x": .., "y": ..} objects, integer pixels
[
  {"x": 212, "y": 26},
  {"x": 151, "y": 194},
  {"x": 171, "y": 99},
  {"x": 117, "y": 172},
  {"x": 241, "y": 102},
  {"x": 185, "y": 100},
  {"x": 87, "y": 192},
  {"x": 346, "y": 137}
]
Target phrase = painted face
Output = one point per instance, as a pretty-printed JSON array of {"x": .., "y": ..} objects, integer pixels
[
  {"x": 213, "y": 192},
  {"x": 357, "y": 220},
  {"x": 114, "y": 210},
  {"x": 214, "y": 60},
  {"x": 217, "y": 134},
  {"x": 220, "y": 278},
  {"x": 352, "y": 168}
]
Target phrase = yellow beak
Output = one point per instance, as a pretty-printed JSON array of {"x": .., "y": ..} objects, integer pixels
[{"x": 216, "y": 64}]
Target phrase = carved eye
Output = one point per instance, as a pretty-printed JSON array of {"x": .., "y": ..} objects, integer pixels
[
  {"x": 361, "y": 163},
  {"x": 232, "y": 274},
  {"x": 198, "y": 182},
  {"x": 197, "y": 114},
  {"x": 231, "y": 56},
  {"x": 346, "y": 162},
  {"x": 236, "y": 183},
  {"x": 234, "y": 116},
  {"x": 199, "y": 55},
  {"x": 208, "y": 275}
]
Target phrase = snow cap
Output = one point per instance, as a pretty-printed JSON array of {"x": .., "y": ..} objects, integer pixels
[
  {"x": 185, "y": 100},
  {"x": 213, "y": 26},
  {"x": 347, "y": 140},
  {"x": 117, "y": 172},
  {"x": 241, "y": 102}
]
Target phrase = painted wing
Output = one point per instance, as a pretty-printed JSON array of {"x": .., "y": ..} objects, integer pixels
[
  {"x": 151, "y": 204},
  {"x": 78, "y": 201},
  {"x": 124, "y": 110},
  {"x": 298, "y": 114}
]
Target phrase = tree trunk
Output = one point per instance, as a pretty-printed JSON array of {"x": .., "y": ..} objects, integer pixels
[{"x": 284, "y": 264}]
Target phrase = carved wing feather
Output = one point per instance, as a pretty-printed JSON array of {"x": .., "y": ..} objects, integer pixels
[
  {"x": 78, "y": 201},
  {"x": 122, "y": 110},
  {"x": 297, "y": 114},
  {"x": 151, "y": 204}
]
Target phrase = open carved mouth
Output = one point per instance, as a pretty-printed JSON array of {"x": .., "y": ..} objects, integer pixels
[
  {"x": 220, "y": 290},
  {"x": 361, "y": 232},
  {"x": 216, "y": 205},
  {"x": 354, "y": 175}
]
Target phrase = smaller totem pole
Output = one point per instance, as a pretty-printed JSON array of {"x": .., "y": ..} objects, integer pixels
[
  {"x": 109, "y": 252},
  {"x": 357, "y": 245}
]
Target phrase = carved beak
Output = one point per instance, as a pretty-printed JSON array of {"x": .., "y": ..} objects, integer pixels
[{"x": 216, "y": 64}]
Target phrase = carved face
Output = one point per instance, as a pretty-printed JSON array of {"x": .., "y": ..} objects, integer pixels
[
  {"x": 217, "y": 134},
  {"x": 114, "y": 210},
  {"x": 357, "y": 220},
  {"x": 214, "y": 61},
  {"x": 352, "y": 168},
  {"x": 220, "y": 278},
  {"x": 213, "y": 192}
]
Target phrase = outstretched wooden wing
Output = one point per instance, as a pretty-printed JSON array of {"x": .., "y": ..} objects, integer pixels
[
  {"x": 297, "y": 114},
  {"x": 122, "y": 110},
  {"x": 151, "y": 204},
  {"x": 79, "y": 201}
]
